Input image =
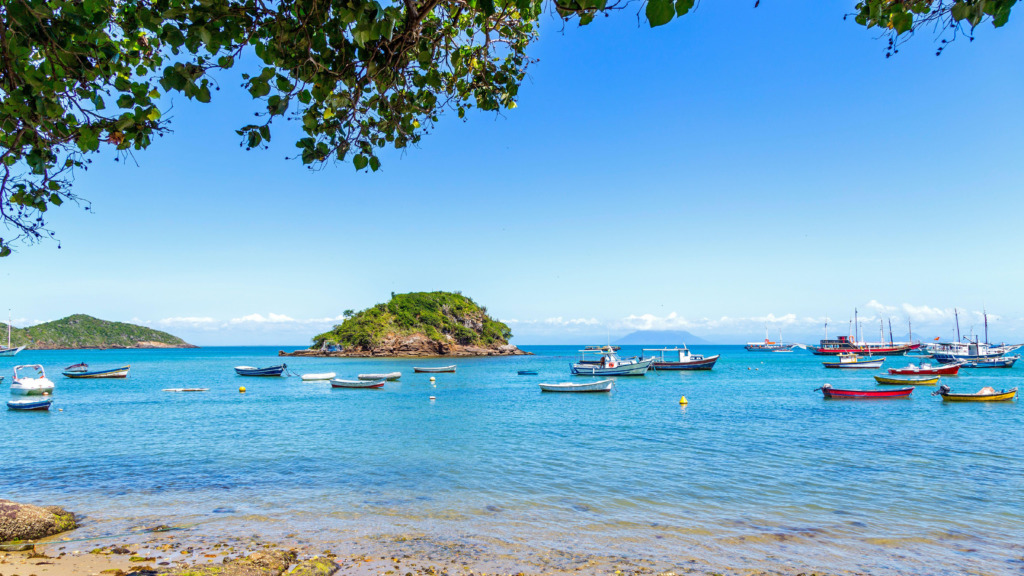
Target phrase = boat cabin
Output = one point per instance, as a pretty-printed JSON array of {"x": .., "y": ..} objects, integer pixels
[{"x": 680, "y": 354}]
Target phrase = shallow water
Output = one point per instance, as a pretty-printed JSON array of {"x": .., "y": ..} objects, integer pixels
[{"x": 756, "y": 471}]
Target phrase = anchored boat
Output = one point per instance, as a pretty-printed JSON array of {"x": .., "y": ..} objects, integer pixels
[
  {"x": 39, "y": 385},
  {"x": 437, "y": 370},
  {"x": 121, "y": 372},
  {"x": 609, "y": 364},
  {"x": 850, "y": 360},
  {"x": 390, "y": 376},
  {"x": 909, "y": 380},
  {"x": 1000, "y": 362},
  {"x": 683, "y": 360},
  {"x": 268, "y": 371},
  {"x": 986, "y": 394},
  {"x": 928, "y": 369},
  {"x": 317, "y": 377},
  {"x": 831, "y": 392},
  {"x": 29, "y": 404},
  {"x": 598, "y": 386},
  {"x": 342, "y": 383}
]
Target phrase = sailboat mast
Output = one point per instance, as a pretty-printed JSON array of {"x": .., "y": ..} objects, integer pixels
[
  {"x": 891, "y": 341},
  {"x": 8, "y": 327},
  {"x": 856, "y": 327},
  {"x": 910, "y": 330},
  {"x": 984, "y": 313},
  {"x": 881, "y": 330},
  {"x": 956, "y": 316}
]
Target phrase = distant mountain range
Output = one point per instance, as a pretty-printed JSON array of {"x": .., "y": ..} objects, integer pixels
[{"x": 659, "y": 337}]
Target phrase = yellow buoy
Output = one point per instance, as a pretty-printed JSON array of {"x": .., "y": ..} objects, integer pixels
[
  {"x": 241, "y": 388},
  {"x": 431, "y": 378},
  {"x": 682, "y": 400}
]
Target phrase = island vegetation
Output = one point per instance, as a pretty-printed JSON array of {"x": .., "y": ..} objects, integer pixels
[
  {"x": 82, "y": 331},
  {"x": 417, "y": 324}
]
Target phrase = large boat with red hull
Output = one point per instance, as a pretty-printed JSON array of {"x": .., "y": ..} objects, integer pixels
[{"x": 845, "y": 345}]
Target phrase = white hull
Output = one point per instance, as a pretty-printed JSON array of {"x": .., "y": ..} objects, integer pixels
[
  {"x": 317, "y": 377},
  {"x": 389, "y": 376},
  {"x": 31, "y": 387},
  {"x": 339, "y": 383},
  {"x": 438, "y": 370},
  {"x": 633, "y": 369},
  {"x": 599, "y": 386},
  {"x": 10, "y": 351}
]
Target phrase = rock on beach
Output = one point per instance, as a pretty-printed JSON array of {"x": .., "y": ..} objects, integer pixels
[{"x": 29, "y": 522}]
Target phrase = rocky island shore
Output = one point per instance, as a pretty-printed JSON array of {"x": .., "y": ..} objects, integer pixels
[{"x": 418, "y": 324}]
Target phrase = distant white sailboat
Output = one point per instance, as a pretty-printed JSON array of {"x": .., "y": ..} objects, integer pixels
[{"x": 7, "y": 350}]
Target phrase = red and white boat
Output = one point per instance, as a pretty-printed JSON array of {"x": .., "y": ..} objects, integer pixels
[
  {"x": 929, "y": 370},
  {"x": 831, "y": 392},
  {"x": 845, "y": 345}
]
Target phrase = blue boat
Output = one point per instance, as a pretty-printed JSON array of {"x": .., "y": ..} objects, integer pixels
[
  {"x": 1000, "y": 362},
  {"x": 269, "y": 371},
  {"x": 29, "y": 404},
  {"x": 527, "y": 372}
]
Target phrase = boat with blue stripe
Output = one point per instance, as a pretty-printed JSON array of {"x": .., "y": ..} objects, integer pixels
[
  {"x": 121, "y": 372},
  {"x": 268, "y": 371}
]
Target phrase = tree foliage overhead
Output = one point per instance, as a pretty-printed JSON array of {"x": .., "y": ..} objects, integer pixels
[{"x": 79, "y": 77}]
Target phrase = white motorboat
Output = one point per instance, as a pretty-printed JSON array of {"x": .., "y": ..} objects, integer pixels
[
  {"x": 316, "y": 377},
  {"x": 435, "y": 369},
  {"x": 39, "y": 385},
  {"x": 390, "y": 376},
  {"x": 598, "y": 386},
  {"x": 609, "y": 364}
]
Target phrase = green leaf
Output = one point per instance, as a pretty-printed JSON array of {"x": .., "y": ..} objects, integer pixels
[
  {"x": 902, "y": 22},
  {"x": 203, "y": 94},
  {"x": 659, "y": 12},
  {"x": 960, "y": 11},
  {"x": 359, "y": 161},
  {"x": 374, "y": 163},
  {"x": 683, "y": 6}
]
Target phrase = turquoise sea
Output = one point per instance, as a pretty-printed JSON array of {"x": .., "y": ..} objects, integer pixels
[{"x": 756, "y": 471}]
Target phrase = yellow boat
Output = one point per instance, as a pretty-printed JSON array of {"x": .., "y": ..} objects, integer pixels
[
  {"x": 986, "y": 394},
  {"x": 909, "y": 381}
]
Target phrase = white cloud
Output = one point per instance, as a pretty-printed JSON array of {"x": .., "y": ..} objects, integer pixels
[
  {"x": 559, "y": 321},
  {"x": 192, "y": 321},
  {"x": 270, "y": 318}
]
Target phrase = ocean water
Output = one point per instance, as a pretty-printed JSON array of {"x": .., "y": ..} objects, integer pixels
[{"x": 756, "y": 471}]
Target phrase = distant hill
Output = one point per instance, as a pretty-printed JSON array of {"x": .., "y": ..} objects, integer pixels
[
  {"x": 645, "y": 337},
  {"x": 81, "y": 331}
]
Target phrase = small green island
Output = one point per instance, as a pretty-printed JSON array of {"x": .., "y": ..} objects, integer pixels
[
  {"x": 416, "y": 324},
  {"x": 80, "y": 331}
]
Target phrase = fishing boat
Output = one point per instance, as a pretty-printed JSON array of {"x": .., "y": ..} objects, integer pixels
[
  {"x": 598, "y": 386},
  {"x": 986, "y": 394},
  {"x": 998, "y": 362},
  {"x": 609, "y": 364},
  {"x": 851, "y": 360},
  {"x": 527, "y": 372},
  {"x": 121, "y": 372},
  {"x": 7, "y": 350},
  {"x": 390, "y": 376},
  {"x": 342, "y": 383},
  {"x": 29, "y": 404},
  {"x": 80, "y": 367},
  {"x": 927, "y": 369},
  {"x": 960, "y": 351},
  {"x": 39, "y": 385},
  {"x": 683, "y": 359},
  {"x": 908, "y": 380},
  {"x": 848, "y": 344},
  {"x": 768, "y": 345},
  {"x": 268, "y": 371},
  {"x": 831, "y": 392},
  {"x": 318, "y": 377},
  {"x": 434, "y": 370}
]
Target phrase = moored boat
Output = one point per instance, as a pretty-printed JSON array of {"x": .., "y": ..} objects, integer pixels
[
  {"x": 39, "y": 385},
  {"x": 434, "y": 370},
  {"x": 527, "y": 372},
  {"x": 8, "y": 350},
  {"x": 683, "y": 360},
  {"x": 597, "y": 386},
  {"x": 80, "y": 367},
  {"x": 850, "y": 360},
  {"x": 318, "y": 377},
  {"x": 343, "y": 383},
  {"x": 609, "y": 364},
  {"x": 1000, "y": 362},
  {"x": 768, "y": 345},
  {"x": 121, "y": 372},
  {"x": 390, "y": 376},
  {"x": 29, "y": 404},
  {"x": 927, "y": 369},
  {"x": 908, "y": 380},
  {"x": 831, "y": 392},
  {"x": 986, "y": 394},
  {"x": 268, "y": 371}
]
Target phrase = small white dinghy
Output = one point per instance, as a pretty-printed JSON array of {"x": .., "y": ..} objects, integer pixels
[
  {"x": 598, "y": 386},
  {"x": 39, "y": 385},
  {"x": 390, "y": 376},
  {"x": 434, "y": 369},
  {"x": 315, "y": 377},
  {"x": 342, "y": 383}
]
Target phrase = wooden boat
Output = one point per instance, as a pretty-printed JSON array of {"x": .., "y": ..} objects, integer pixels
[
  {"x": 390, "y": 376},
  {"x": 317, "y": 377},
  {"x": 39, "y": 385},
  {"x": 341, "y": 383},
  {"x": 186, "y": 389},
  {"x": 684, "y": 360},
  {"x": 27, "y": 404},
  {"x": 854, "y": 361},
  {"x": 986, "y": 394},
  {"x": 831, "y": 392},
  {"x": 598, "y": 386},
  {"x": 909, "y": 380},
  {"x": 437, "y": 370},
  {"x": 80, "y": 367},
  {"x": 927, "y": 369},
  {"x": 121, "y": 372},
  {"x": 609, "y": 364},
  {"x": 1000, "y": 362},
  {"x": 527, "y": 372},
  {"x": 268, "y": 371}
]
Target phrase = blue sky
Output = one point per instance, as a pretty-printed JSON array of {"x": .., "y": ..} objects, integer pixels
[{"x": 734, "y": 168}]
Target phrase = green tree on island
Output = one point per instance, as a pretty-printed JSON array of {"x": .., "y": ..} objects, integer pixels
[{"x": 82, "y": 76}]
